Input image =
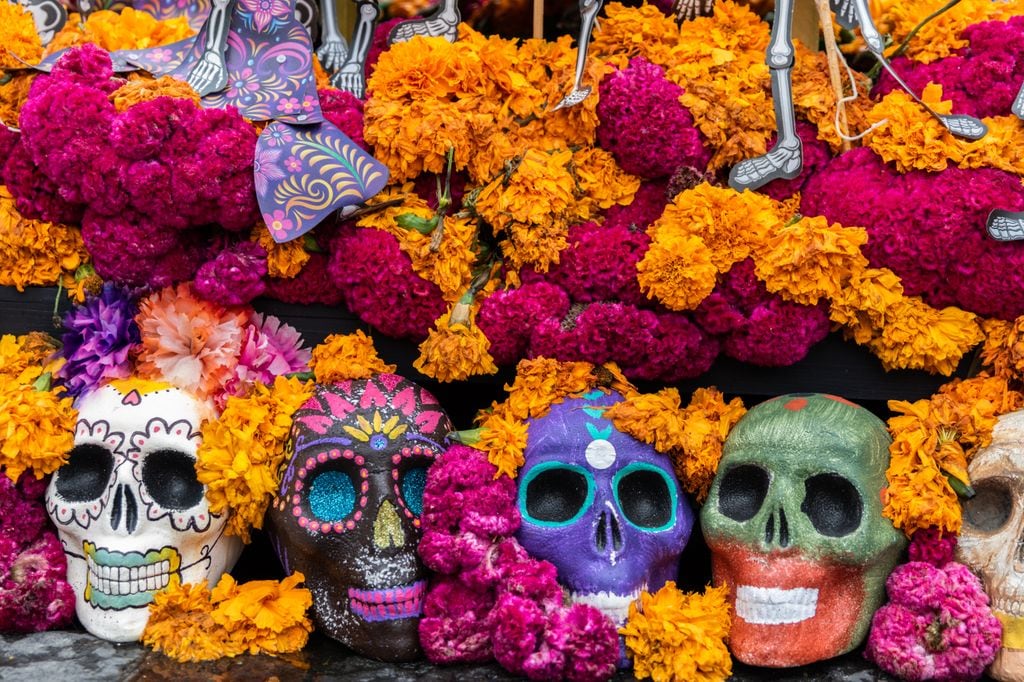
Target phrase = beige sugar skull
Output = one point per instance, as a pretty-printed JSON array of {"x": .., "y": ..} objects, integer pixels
[{"x": 992, "y": 537}]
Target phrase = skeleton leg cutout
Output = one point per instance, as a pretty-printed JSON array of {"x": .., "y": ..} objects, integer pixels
[
  {"x": 351, "y": 77},
  {"x": 210, "y": 74},
  {"x": 333, "y": 48},
  {"x": 786, "y": 158},
  {"x": 49, "y": 16},
  {"x": 1005, "y": 226},
  {"x": 444, "y": 23},
  {"x": 588, "y": 13}
]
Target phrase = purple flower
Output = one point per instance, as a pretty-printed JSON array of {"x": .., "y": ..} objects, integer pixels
[
  {"x": 265, "y": 168},
  {"x": 98, "y": 336},
  {"x": 642, "y": 123},
  {"x": 244, "y": 82}
]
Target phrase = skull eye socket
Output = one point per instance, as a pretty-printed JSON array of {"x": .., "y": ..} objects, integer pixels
[
  {"x": 86, "y": 474},
  {"x": 990, "y": 508},
  {"x": 742, "y": 491},
  {"x": 413, "y": 481},
  {"x": 556, "y": 494},
  {"x": 332, "y": 496},
  {"x": 832, "y": 504},
  {"x": 646, "y": 497},
  {"x": 170, "y": 479}
]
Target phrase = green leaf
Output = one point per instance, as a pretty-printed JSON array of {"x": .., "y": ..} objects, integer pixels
[{"x": 411, "y": 221}]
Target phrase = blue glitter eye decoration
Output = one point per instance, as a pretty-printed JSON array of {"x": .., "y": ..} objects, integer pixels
[
  {"x": 413, "y": 482},
  {"x": 332, "y": 496},
  {"x": 379, "y": 441}
]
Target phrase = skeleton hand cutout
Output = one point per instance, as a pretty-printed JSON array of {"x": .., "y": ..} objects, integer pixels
[
  {"x": 444, "y": 23},
  {"x": 351, "y": 77},
  {"x": 333, "y": 48}
]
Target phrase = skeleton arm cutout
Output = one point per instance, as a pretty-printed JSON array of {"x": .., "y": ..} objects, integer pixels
[
  {"x": 210, "y": 73},
  {"x": 333, "y": 48},
  {"x": 444, "y": 23},
  {"x": 1008, "y": 226},
  {"x": 588, "y": 14},
  {"x": 351, "y": 77}
]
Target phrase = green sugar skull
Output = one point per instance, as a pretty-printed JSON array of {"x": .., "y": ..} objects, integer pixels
[{"x": 795, "y": 527}]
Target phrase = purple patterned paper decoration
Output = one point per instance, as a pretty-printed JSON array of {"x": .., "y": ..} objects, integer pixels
[
  {"x": 195, "y": 10},
  {"x": 305, "y": 173}
]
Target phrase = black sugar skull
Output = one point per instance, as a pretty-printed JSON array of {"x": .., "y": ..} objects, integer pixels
[{"x": 348, "y": 507}]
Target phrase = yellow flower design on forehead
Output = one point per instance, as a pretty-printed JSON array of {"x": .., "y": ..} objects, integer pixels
[
  {"x": 141, "y": 386},
  {"x": 378, "y": 433}
]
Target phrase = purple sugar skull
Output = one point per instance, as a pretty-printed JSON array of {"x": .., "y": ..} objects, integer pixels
[
  {"x": 347, "y": 512},
  {"x": 601, "y": 506}
]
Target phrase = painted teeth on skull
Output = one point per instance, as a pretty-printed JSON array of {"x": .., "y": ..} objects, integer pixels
[{"x": 120, "y": 580}]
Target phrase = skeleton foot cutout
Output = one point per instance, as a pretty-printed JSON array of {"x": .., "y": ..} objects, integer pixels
[
  {"x": 350, "y": 79},
  {"x": 1018, "y": 103},
  {"x": 444, "y": 24},
  {"x": 573, "y": 98},
  {"x": 49, "y": 17},
  {"x": 1005, "y": 225},
  {"x": 784, "y": 161},
  {"x": 209, "y": 75}
]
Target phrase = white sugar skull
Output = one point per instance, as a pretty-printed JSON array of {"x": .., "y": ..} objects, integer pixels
[
  {"x": 131, "y": 514},
  {"x": 992, "y": 536}
]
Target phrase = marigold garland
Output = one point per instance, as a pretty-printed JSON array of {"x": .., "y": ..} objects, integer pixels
[
  {"x": 672, "y": 635},
  {"x": 940, "y": 37},
  {"x": 18, "y": 36},
  {"x": 242, "y": 451},
  {"x": 192, "y": 623},
  {"x": 347, "y": 356},
  {"x": 142, "y": 88}
]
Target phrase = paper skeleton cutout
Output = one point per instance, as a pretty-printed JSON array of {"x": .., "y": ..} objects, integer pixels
[
  {"x": 350, "y": 75},
  {"x": 1008, "y": 226},
  {"x": 785, "y": 159},
  {"x": 49, "y": 17}
]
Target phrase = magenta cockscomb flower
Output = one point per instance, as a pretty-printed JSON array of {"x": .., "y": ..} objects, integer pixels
[
  {"x": 235, "y": 276},
  {"x": 928, "y": 228},
  {"x": 491, "y": 598},
  {"x": 34, "y": 592},
  {"x": 98, "y": 337},
  {"x": 507, "y": 317},
  {"x": 643, "y": 125},
  {"x": 936, "y": 626},
  {"x": 379, "y": 286},
  {"x": 600, "y": 264},
  {"x": 312, "y": 285}
]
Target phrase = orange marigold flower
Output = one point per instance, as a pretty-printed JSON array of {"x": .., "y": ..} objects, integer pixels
[
  {"x": 455, "y": 349},
  {"x": 36, "y": 429},
  {"x": 655, "y": 418},
  {"x": 13, "y": 94},
  {"x": 940, "y": 37},
  {"x": 864, "y": 303},
  {"x": 347, "y": 356},
  {"x": 677, "y": 270},
  {"x": 241, "y": 452},
  {"x": 141, "y": 88},
  {"x": 503, "y": 438},
  {"x": 180, "y": 625},
  {"x": 810, "y": 259},
  {"x": 263, "y": 616},
  {"x": 673, "y": 635},
  {"x": 601, "y": 180},
  {"x": 1003, "y": 351},
  {"x": 917, "y": 336},
  {"x": 542, "y": 382},
  {"x": 35, "y": 252},
  {"x": 283, "y": 260},
  {"x": 128, "y": 29},
  {"x": 19, "y": 38}
]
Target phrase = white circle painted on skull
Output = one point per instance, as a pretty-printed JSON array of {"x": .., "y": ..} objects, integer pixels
[{"x": 600, "y": 453}]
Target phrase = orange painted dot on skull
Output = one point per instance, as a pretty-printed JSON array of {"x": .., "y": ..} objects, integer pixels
[
  {"x": 883, "y": 495},
  {"x": 417, "y": 450},
  {"x": 364, "y": 473},
  {"x": 840, "y": 399},
  {"x": 335, "y": 454},
  {"x": 296, "y": 499},
  {"x": 325, "y": 527},
  {"x": 366, "y": 486},
  {"x": 796, "y": 404},
  {"x": 302, "y": 473},
  {"x": 394, "y": 474},
  {"x": 350, "y": 524},
  {"x": 303, "y": 521},
  {"x": 338, "y": 527},
  {"x": 362, "y": 501},
  {"x": 296, "y": 511}
]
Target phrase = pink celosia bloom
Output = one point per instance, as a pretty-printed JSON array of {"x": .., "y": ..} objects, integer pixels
[{"x": 269, "y": 348}]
